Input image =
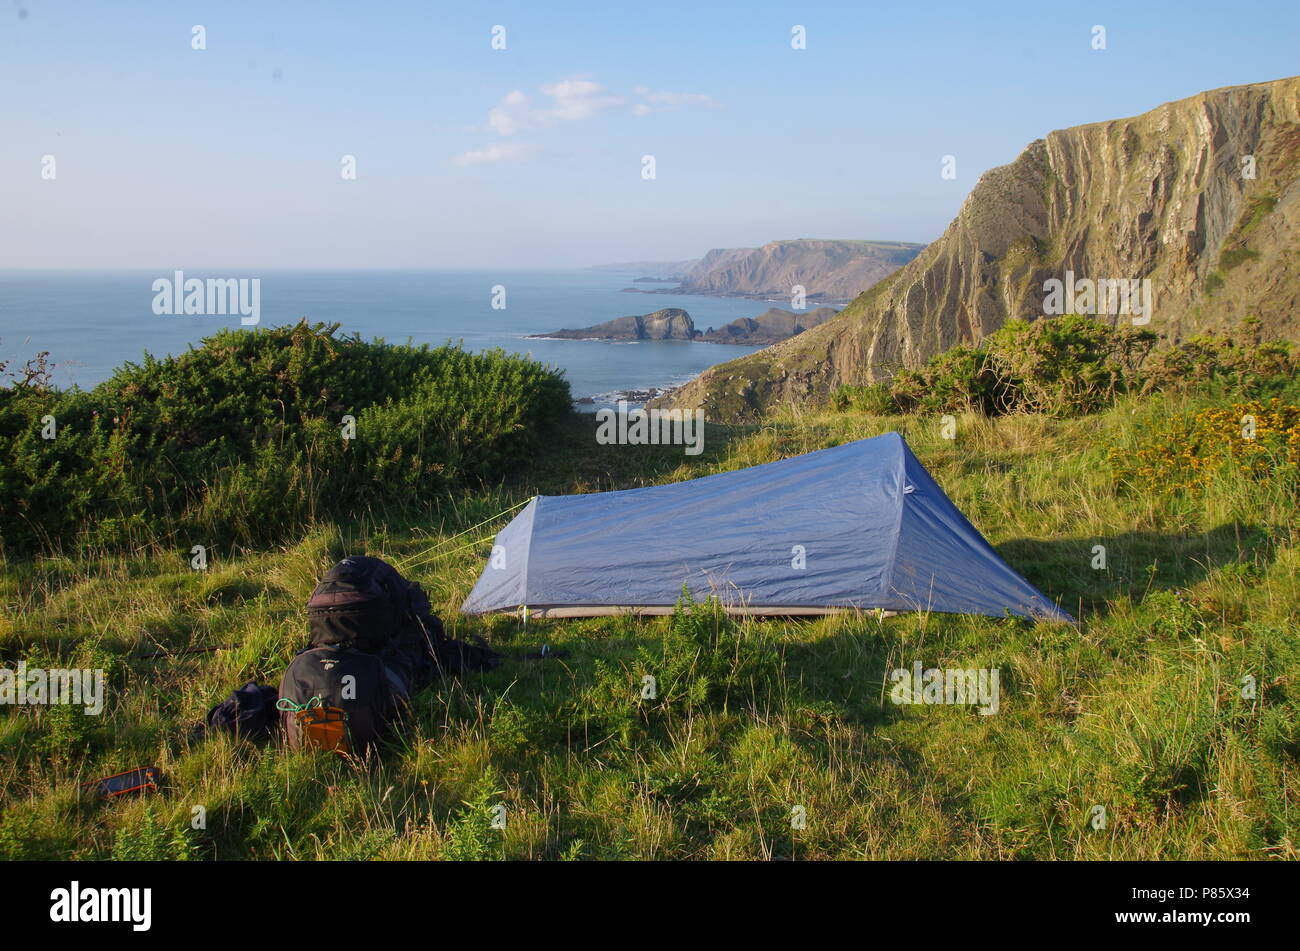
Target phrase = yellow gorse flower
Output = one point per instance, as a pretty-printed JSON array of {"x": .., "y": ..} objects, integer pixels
[{"x": 1259, "y": 440}]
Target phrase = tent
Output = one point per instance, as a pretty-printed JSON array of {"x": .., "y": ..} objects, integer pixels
[{"x": 861, "y": 526}]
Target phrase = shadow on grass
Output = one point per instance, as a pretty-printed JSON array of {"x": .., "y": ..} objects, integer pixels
[
  {"x": 1135, "y": 562},
  {"x": 574, "y": 459}
]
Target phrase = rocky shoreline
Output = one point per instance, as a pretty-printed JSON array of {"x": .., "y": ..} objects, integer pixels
[
  {"x": 628, "y": 396},
  {"x": 770, "y": 327}
]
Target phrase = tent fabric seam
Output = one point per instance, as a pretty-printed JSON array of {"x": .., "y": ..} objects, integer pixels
[
  {"x": 898, "y": 523},
  {"x": 532, "y": 527}
]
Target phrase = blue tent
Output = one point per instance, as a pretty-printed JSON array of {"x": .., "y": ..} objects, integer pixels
[{"x": 859, "y": 526}]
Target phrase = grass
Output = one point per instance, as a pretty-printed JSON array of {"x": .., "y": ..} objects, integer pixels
[{"x": 1139, "y": 711}]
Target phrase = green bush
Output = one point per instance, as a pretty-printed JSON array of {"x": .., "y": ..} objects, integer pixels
[
  {"x": 1064, "y": 366},
  {"x": 874, "y": 399},
  {"x": 1252, "y": 368},
  {"x": 1069, "y": 366},
  {"x": 953, "y": 381},
  {"x": 241, "y": 440}
]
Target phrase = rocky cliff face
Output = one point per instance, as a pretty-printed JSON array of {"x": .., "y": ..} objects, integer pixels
[
  {"x": 768, "y": 328},
  {"x": 1165, "y": 196},
  {"x": 716, "y": 260},
  {"x": 827, "y": 270},
  {"x": 671, "y": 323}
]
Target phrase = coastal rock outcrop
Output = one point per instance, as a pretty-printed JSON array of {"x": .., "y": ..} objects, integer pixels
[
  {"x": 768, "y": 328},
  {"x": 671, "y": 323}
]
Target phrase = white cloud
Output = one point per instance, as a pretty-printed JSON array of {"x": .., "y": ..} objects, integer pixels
[
  {"x": 670, "y": 100},
  {"x": 506, "y": 117},
  {"x": 569, "y": 100},
  {"x": 566, "y": 100},
  {"x": 505, "y": 152},
  {"x": 580, "y": 99}
]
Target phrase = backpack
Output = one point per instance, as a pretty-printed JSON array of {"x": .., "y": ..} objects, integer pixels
[
  {"x": 337, "y": 698},
  {"x": 318, "y": 726},
  {"x": 363, "y": 603}
]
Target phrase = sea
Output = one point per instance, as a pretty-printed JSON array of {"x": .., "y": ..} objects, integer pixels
[{"x": 92, "y": 322}]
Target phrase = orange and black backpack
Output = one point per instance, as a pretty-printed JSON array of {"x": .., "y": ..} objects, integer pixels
[
  {"x": 336, "y": 698},
  {"x": 374, "y": 643}
]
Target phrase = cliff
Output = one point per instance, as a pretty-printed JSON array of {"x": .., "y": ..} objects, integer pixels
[
  {"x": 768, "y": 328},
  {"x": 1166, "y": 196},
  {"x": 827, "y": 270}
]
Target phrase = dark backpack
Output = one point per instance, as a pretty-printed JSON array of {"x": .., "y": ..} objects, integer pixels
[
  {"x": 248, "y": 712},
  {"x": 359, "y": 603},
  {"x": 363, "y": 603}
]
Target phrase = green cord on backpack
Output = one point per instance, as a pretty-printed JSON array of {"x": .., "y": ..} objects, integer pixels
[{"x": 288, "y": 706}]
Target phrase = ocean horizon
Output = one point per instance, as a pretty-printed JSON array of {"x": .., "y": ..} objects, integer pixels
[{"x": 93, "y": 321}]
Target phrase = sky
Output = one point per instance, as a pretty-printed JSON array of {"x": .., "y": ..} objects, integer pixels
[{"x": 533, "y": 156}]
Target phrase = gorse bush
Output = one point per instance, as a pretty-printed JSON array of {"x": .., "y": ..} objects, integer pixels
[
  {"x": 240, "y": 439},
  {"x": 1069, "y": 366},
  {"x": 955, "y": 380},
  {"x": 1064, "y": 367},
  {"x": 1259, "y": 368},
  {"x": 875, "y": 398},
  {"x": 1258, "y": 440}
]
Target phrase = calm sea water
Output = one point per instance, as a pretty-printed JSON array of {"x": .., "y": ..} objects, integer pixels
[{"x": 92, "y": 322}]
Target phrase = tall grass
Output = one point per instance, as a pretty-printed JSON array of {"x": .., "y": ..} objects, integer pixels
[{"x": 1139, "y": 711}]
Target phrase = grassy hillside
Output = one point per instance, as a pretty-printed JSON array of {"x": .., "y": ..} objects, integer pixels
[{"x": 1139, "y": 710}]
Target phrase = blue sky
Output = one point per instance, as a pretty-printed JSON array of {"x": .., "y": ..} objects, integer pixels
[{"x": 470, "y": 157}]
